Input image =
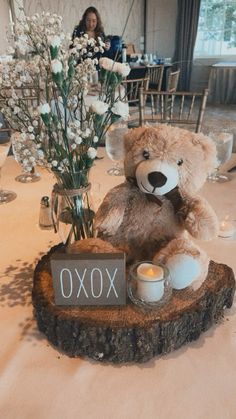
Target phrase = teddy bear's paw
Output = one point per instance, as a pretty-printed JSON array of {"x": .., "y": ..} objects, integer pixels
[
  {"x": 201, "y": 221},
  {"x": 184, "y": 269}
]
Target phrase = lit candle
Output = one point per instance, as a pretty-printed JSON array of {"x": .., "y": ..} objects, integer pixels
[
  {"x": 150, "y": 282},
  {"x": 227, "y": 229}
]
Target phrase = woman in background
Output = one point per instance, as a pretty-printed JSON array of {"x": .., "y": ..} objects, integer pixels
[{"x": 91, "y": 24}]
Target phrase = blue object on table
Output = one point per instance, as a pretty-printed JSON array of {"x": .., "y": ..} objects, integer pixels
[{"x": 115, "y": 48}]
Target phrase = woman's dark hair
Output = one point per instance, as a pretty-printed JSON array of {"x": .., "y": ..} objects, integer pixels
[{"x": 82, "y": 24}]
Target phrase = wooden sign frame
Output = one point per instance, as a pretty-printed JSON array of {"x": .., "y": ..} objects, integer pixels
[{"x": 93, "y": 279}]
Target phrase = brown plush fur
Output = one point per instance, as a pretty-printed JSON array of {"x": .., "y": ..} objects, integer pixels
[
  {"x": 127, "y": 218},
  {"x": 153, "y": 213}
]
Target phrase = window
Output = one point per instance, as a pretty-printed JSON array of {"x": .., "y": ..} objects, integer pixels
[{"x": 216, "y": 28}]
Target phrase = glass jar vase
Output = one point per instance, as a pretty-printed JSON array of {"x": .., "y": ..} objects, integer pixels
[{"x": 71, "y": 206}]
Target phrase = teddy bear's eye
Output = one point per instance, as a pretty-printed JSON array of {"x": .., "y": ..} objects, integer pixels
[
  {"x": 180, "y": 162},
  {"x": 146, "y": 154}
]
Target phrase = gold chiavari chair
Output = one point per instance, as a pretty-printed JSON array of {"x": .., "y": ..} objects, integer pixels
[
  {"x": 155, "y": 74},
  {"x": 186, "y": 108},
  {"x": 172, "y": 81},
  {"x": 129, "y": 92}
]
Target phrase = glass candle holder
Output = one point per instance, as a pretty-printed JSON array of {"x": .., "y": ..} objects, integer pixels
[{"x": 149, "y": 285}]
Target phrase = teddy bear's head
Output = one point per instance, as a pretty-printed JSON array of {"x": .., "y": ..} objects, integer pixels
[{"x": 163, "y": 157}]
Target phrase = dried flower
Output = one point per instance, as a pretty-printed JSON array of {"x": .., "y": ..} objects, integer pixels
[{"x": 57, "y": 128}]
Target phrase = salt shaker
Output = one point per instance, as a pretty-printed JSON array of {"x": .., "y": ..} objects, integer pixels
[{"x": 45, "y": 215}]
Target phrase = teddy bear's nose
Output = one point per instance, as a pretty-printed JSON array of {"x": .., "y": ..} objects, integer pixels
[{"x": 157, "y": 179}]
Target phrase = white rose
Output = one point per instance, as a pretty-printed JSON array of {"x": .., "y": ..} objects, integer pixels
[
  {"x": 92, "y": 152},
  {"x": 55, "y": 41},
  {"x": 56, "y": 66},
  {"x": 44, "y": 109},
  {"x": 124, "y": 70},
  {"x": 121, "y": 108},
  {"x": 99, "y": 107},
  {"x": 106, "y": 63}
]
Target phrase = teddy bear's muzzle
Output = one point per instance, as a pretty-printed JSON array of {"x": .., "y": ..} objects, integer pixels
[{"x": 156, "y": 177}]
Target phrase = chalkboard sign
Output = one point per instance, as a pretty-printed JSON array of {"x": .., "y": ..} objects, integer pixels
[{"x": 89, "y": 279}]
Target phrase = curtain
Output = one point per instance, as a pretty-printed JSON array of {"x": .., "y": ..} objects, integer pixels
[{"x": 186, "y": 32}]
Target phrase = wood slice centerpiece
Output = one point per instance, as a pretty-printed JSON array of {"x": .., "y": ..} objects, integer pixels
[{"x": 127, "y": 333}]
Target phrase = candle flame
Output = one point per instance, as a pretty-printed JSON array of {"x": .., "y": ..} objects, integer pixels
[{"x": 150, "y": 272}]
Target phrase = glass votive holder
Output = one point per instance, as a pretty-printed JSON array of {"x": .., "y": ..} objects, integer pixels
[{"x": 149, "y": 285}]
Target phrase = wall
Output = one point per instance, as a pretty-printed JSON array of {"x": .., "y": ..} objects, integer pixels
[
  {"x": 161, "y": 25},
  {"x": 113, "y": 14},
  {"x": 4, "y": 24}
]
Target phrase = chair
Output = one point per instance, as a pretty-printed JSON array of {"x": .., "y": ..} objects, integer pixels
[
  {"x": 186, "y": 108},
  {"x": 129, "y": 92},
  {"x": 172, "y": 81},
  {"x": 28, "y": 97},
  {"x": 155, "y": 74}
]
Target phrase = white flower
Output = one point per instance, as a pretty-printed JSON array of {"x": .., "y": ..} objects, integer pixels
[
  {"x": 121, "y": 108},
  {"x": 41, "y": 154},
  {"x": 92, "y": 152},
  {"x": 106, "y": 63},
  {"x": 16, "y": 110},
  {"x": 99, "y": 107},
  {"x": 44, "y": 109},
  {"x": 55, "y": 41},
  {"x": 110, "y": 65},
  {"x": 122, "y": 69},
  {"x": 95, "y": 139},
  {"x": 78, "y": 140},
  {"x": 54, "y": 163},
  {"x": 18, "y": 83},
  {"x": 56, "y": 66}
]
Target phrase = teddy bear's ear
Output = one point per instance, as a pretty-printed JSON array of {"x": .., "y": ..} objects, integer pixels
[{"x": 132, "y": 135}]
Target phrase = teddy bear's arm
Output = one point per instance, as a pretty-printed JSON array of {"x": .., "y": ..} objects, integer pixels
[
  {"x": 200, "y": 219},
  {"x": 111, "y": 212}
]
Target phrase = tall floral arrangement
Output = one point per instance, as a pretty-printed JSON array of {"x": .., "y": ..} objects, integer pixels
[{"x": 45, "y": 92}]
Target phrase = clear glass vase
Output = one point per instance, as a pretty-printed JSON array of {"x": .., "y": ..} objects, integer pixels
[{"x": 71, "y": 206}]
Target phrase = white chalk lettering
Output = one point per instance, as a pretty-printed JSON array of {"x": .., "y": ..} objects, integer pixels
[
  {"x": 81, "y": 283},
  {"x": 62, "y": 282},
  {"x": 112, "y": 283},
  {"x": 92, "y": 282}
]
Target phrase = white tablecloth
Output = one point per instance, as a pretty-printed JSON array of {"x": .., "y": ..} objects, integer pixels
[
  {"x": 197, "y": 381},
  {"x": 222, "y": 83}
]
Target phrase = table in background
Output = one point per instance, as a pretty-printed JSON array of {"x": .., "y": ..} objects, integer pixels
[
  {"x": 222, "y": 83},
  {"x": 140, "y": 71},
  {"x": 196, "y": 381}
]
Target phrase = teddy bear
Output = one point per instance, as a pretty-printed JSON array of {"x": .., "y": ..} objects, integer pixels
[{"x": 155, "y": 211}]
